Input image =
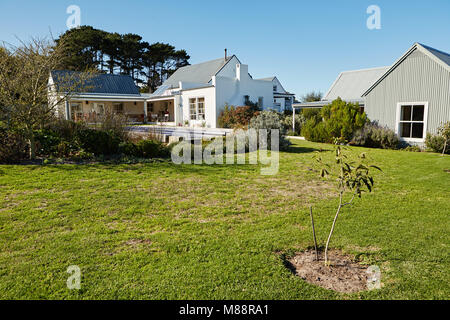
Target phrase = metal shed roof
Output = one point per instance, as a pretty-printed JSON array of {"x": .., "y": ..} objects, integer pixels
[
  {"x": 350, "y": 85},
  {"x": 440, "y": 57},
  {"x": 196, "y": 73},
  {"x": 443, "y": 56},
  {"x": 99, "y": 83}
]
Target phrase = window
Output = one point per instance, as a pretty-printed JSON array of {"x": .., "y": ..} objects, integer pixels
[
  {"x": 201, "y": 108},
  {"x": 99, "y": 108},
  {"x": 76, "y": 110},
  {"x": 411, "y": 120},
  {"x": 193, "y": 108},
  {"x": 118, "y": 107},
  {"x": 197, "y": 108},
  {"x": 275, "y": 88},
  {"x": 260, "y": 102}
]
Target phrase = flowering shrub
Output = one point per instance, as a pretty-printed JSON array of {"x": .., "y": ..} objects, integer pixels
[
  {"x": 372, "y": 135},
  {"x": 236, "y": 117}
]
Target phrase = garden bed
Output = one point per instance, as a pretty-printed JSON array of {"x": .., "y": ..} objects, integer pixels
[{"x": 342, "y": 275}]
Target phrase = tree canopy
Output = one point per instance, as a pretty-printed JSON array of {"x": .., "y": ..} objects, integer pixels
[
  {"x": 312, "y": 96},
  {"x": 148, "y": 64}
]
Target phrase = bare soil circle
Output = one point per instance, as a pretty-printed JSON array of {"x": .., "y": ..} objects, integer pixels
[{"x": 342, "y": 275}]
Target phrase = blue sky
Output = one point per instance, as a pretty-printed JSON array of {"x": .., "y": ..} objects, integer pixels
[{"x": 304, "y": 43}]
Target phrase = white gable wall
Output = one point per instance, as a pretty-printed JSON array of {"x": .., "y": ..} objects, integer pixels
[
  {"x": 276, "y": 82},
  {"x": 232, "y": 90},
  {"x": 229, "y": 70}
]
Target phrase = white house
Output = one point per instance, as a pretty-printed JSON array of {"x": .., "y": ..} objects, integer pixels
[
  {"x": 196, "y": 94},
  {"x": 193, "y": 96}
]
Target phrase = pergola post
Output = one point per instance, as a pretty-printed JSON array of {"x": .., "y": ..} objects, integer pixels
[
  {"x": 293, "y": 119},
  {"x": 145, "y": 111},
  {"x": 67, "y": 107}
]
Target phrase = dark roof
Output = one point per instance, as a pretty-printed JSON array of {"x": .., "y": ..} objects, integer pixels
[{"x": 99, "y": 83}]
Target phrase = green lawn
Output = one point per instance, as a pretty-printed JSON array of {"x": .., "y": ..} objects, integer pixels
[{"x": 164, "y": 231}]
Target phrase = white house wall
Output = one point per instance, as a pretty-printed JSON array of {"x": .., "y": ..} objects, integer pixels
[
  {"x": 231, "y": 90},
  {"x": 229, "y": 70},
  {"x": 210, "y": 103},
  {"x": 276, "y": 82}
]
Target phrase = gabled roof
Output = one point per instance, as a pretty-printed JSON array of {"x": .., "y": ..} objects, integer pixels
[
  {"x": 267, "y": 79},
  {"x": 350, "y": 85},
  {"x": 197, "y": 73},
  {"x": 99, "y": 83},
  {"x": 271, "y": 79},
  {"x": 440, "y": 57}
]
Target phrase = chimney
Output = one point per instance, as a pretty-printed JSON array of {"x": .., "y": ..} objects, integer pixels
[{"x": 225, "y": 54}]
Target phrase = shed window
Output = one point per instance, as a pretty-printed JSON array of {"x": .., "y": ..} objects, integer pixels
[{"x": 412, "y": 118}]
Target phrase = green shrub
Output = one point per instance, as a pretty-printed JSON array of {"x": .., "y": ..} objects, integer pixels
[
  {"x": 412, "y": 149},
  {"x": 373, "y": 135},
  {"x": 338, "y": 120},
  {"x": 98, "y": 142},
  {"x": 47, "y": 142},
  {"x": 64, "y": 149},
  {"x": 435, "y": 143},
  {"x": 342, "y": 119},
  {"x": 315, "y": 131},
  {"x": 270, "y": 120},
  {"x": 291, "y": 133},
  {"x": 309, "y": 113},
  {"x": 129, "y": 149},
  {"x": 299, "y": 122},
  {"x": 13, "y": 148},
  {"x": 152, "y": 149},
  {"x": 80, "y": 155}
]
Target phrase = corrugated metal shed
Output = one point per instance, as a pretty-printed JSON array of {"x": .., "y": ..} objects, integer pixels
[
  {"x": 99, "y": 84},
  {"x": 350, "y": 85},
  {"x": 196, "y": 73},
  {"x": 443, "y": 56},
  {"x": 422, "y": 74}
]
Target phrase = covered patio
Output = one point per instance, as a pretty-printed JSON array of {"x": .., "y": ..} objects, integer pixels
[
  {"x": 161, "y": 110},
  {"x": 89, "y": 107}
]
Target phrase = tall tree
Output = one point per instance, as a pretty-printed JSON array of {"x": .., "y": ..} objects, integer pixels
[
  {"x": 149, "y": 64},
  {"x": 130, "y": 55},
  {"x": 83, "y": 48},
  {"x": 24, "y": 85},
  {"x": 112, "y": 43},
  {"x": 161, "y": 60}
]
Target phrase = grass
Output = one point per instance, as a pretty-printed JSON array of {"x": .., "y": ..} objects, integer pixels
[{"x": 164, "y": 231}]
